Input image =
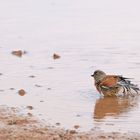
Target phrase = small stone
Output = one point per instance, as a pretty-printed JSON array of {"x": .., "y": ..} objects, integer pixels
[
  {"x": 50, "y": 67},
  {"x": 12, "y": 89},
  {"x": 25, "y": 52},
  {"x": 57, "y": 123},
  {"x": 18, "y": 53},
  {"x": 1, "y": 90},
  {"x": 21, "y": 92},
  {"x": 38, "y": 85},
  {"x": 30, "y": 107},
  {"x": 32, "y": 76},
  {"x": 41, "y": 101},
  {"x": 76, "y": 126},
  {"x": 72, "y": 131},
  {"x": 11, "y": 122},
  {"x": 111, "y": 137},
  {"x": 102, "y": 137},
  {"x": 56, "y": 56},
  {"x": 30, "y": 114}
]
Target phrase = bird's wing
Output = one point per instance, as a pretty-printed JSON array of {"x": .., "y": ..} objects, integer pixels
[
  {"x": 109, "y": 81},
  {"x": 112, "y": 81}
]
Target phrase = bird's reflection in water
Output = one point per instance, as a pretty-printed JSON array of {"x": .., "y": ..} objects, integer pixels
[{"x": 113, "y": 106}]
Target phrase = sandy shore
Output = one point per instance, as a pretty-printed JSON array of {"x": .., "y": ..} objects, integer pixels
[{"x": 17, "y": 126}]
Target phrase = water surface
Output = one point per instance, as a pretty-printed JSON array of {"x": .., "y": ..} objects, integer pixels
[{"x": 88, "y": 35}]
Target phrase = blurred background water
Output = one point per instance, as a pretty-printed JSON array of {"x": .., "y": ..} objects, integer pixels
[{"x": 88, "y": 35}]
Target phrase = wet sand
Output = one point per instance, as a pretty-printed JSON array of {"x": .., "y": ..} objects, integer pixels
[{"x": 27, "y": 127}]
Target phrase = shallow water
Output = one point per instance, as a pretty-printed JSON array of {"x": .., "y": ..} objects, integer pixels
[{"x": 88, "y": 35}]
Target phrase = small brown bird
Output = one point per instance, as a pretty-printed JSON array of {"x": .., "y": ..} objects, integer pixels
[{"x": 113, "y": 85}]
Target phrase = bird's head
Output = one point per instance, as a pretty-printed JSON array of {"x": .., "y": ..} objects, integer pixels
[{"x": 98, "y": 75}]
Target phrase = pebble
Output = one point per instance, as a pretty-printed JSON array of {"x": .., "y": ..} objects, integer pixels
[
  {"x": 56, "y": 56},
  {"x": 30, "y": 107},
  {"x": 76, "y": 126},
  {"x": 18, "y": 53},
  {"x": 21, "y": 92}
]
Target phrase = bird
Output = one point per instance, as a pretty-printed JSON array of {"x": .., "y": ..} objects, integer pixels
[{"x": 114, "y": 85}]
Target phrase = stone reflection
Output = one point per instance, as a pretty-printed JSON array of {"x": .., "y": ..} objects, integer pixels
[{"x": 113, "y": 106}]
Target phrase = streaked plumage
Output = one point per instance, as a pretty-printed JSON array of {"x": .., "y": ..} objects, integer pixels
[{"x": 112, "y": 85}]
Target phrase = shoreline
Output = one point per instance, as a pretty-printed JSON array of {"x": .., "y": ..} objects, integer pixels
[{"x": 17, "y": 126}]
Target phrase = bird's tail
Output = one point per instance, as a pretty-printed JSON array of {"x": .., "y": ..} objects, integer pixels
[{"x": 128, "y": 86}]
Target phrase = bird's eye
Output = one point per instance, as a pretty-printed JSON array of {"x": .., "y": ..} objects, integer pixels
[{"x": 95, "y": 72}]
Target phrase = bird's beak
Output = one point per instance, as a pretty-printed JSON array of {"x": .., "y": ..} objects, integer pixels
[{"x": 92, "y": 75}]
